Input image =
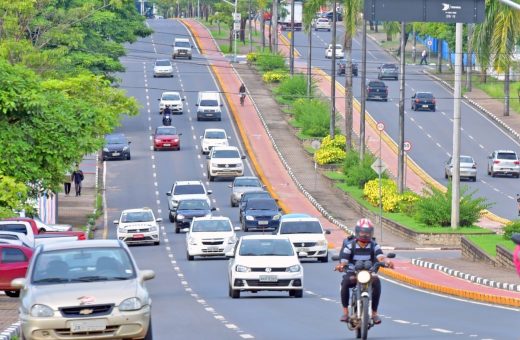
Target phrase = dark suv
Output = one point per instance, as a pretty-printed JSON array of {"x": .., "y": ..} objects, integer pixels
[
  {"x": 341, "y": 68},
  {"x": 377, "y": 90},
  {"x": 117, "y": 146},
  {"x": 388, "y": 71},
  {"x": 423, "y": 101}
]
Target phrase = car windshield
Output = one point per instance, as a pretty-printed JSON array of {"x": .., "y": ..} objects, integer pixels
[
  {"x": 249, "y": 195},
  {"x": 82, "y": 265},
  {"x": 263, "y": 204},
  {"x": 208, "y": 102},
  {"x": 466, "y": 159},
  {"x": 115, "y": 139},
  {"x": 136, "y": 216},
  {"x": 300, "y": 227},
  {"x": 193, "y": 205},
  {"x": 14, "y": 228},
  {"x": 265, "y": 247},
  {"x": 171, "y": 97},
  {"x": 506, "y": 155},
  {"x": 247, "y": 182},
  {"x": 182, "y": 44},
  {"x": 163, "y": 63},
  {"x": 210, "y": 226},
  {"x": 166, "y": 130},
  {"x": 424, "y": 95},
  {"x": 215, "y": 135},
  {"x": 189, "y": 189},
  {"x": 226, "y": 154}
]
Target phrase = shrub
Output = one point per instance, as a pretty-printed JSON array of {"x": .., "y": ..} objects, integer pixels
[
  {"x": 329, "y": 155},
  {"x": 434, "y": 208},
  {"x": 292, "y": 88},
  {"x": 274, "y": 76},
  {"x": 511, "y": 228},
  {"x": 270, "y": 61},
  {"x": 251, "y": 57},
  {"x": 339, "y": 142},
  {"x": 313, "y": 116},
  {"x": 389, "y": 195},
  {"x": 407, "y": 202},
  {"x": 358, "y": 173}
]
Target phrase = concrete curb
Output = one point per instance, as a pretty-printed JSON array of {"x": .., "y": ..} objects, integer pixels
[
  {"x": 11, "y": 331},
  {"x": 473, "y": 278}
]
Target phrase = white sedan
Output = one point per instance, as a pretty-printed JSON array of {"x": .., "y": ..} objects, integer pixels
[
  {"x": 265, "y": 262},
  {"x": 138, "y": 226},
  {"x": 212, "y": 138},
  {"x": 322, "y": 24},
  {"x": 339, "y": 52},
  {"x": 210, "y": 236}
]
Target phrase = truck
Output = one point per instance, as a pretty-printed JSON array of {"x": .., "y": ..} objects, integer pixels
[{"x": 284, "y": 16}]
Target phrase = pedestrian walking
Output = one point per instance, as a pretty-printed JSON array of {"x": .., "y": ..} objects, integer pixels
[
  {"x": 67, "y": 180},
  {"x": 77, "y": 177},
  {"x": 518, "y": 203},
  {"x": 424, "y": 54}
]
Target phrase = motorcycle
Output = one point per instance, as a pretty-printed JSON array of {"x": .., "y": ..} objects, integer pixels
[
  {"x": 167, "y": 120},
  {"x": 360, "y": 308}
]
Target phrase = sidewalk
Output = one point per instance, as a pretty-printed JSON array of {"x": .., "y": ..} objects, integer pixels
[{"x": 257, "y": 137}]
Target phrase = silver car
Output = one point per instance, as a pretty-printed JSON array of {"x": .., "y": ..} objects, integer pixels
[
  {"x": 84, "y": 290},
  {"x": 162, "y": 68},
  {"x": 503, "y": 162},
  {"x": 241, "y": 185},
  {"x": 468, "y": 168}
]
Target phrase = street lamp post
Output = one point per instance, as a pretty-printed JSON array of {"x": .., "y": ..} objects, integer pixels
[
  {"x": 291, "y": 51},
  {"x": 332, "y": 131}
]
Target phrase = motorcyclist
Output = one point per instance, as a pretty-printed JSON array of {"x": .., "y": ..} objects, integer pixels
[
  {"x": 362, "y": 247},
  {"x": 167, "y": 110}
]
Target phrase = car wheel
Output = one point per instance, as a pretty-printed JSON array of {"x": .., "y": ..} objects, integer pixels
[
  {"x": 244, "y": 226},
  {"x": 445, "y": 175},
  {"x": 474, "y": 179},
  {"x": 517, "y": 176},
  {"x": 12, "y": 293},
  {"x": 177, "y": 229},
  {"x": 128, "y": 157},
  {"x": 157, "y": 243},
  {"x": 211, "y": 178},
  {"x": 178, "y": 148},
  {"x": 154, "y": 76},
  {"x": 171, "y": 217},
  {"x": 413, "y": 108},
  {"x": 492, "y": 173},
  {"x": 386, "y": 99},
  {"x": 489, "y": 172},
  {"x": 154, "y": 148},
  {"x": 174, "y": 56},
  {"x": 198, "y": 119},
  {"x": 433, "y": 110},
  {"x": 316, "y": 29},
  {"x": 233, "y": 204},
  {"x": 189, "y": 257},
  {"x": 324, "y": 259},
  {"x": 233, "y": 293},
  {"x": 297, "y": 293},
  {"x": 149, "y": 333},
  {"x": 189, "y": 57}
]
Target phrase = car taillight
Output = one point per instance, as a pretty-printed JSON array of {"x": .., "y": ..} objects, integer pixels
[
  {"x": 517, "y": 162},
  {"x": 496, "y": 162}
]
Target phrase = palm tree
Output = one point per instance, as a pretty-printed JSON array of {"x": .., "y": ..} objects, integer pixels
[
  {"x": 350, "y": 19},
  {"x": 309, "y": 12}
]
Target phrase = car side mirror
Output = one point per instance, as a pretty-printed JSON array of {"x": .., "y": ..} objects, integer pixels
[
  {"x": 183, "y": 99},
  {"x": 230, "y": 185},
  {"x": 334, "y": 257},
  {"x": 158, "y": 219},
  {"x": 243, "y": 157},
  {"x": 327, "y": 231},
  {"x": 18, "y": 283},
  {"x": 279, "y": 209},
  {"x": 209, "y": 192},
  {"x": 221, "y": 105},
  {"x": 237, "y": 228},
  {"x": 185, "y": 230},
  {"x": 208, "y": 157},
  {"x": 180, "y": 134},
  {"x": 229, "y": 137},
  {"x": 129, "y": 142},
  {"x": 200, "y": 137},
  {"x": 196, "y": 104},
  {"x": 213, "y": 209},
  {"x": 168, "y": 194},
  {"x": 159, "y": 99},
  {"x": 191, "y": 46},
  {"x": 116, "y": 222},
  {"x": 146, "y": 274},
  {"x": 230, "y": 254}
]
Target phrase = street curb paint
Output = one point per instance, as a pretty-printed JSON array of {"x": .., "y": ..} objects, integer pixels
[{"x": 12, "y": 331}]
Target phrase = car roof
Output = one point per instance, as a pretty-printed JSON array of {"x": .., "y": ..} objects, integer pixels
[
  {"x": 245, "y": 177},
  {"x": 81, "y": 244},
  {"x": 423, "y": 92},
  {"x": 187, "y": 183},
  {"x": 194, "y": 197},
  {"x": 170, "y": 92},
  {"x": 136, "y": 210},
  {"x": 168, "y": 60},
  {"x": 505, "y": 151},
  {"x": 295, "y": 216},
  {"x": 216, "y": 130},
  {"x": 256, "y": 192},
  {"x": 225, "y": 148},
  {"x": 165, "y": 127},
  {"x": 182, "y": 39},
  {"x": 259, "y": 199},
  {"x": 264, "y": 237},
  {"x": 208, "y": 94},
  {"x": 212, "y": 218}
]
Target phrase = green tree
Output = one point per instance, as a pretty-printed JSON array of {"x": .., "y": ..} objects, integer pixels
[
  {"x": 310, "y": 8},
  {"x": 13, "y": 197}
]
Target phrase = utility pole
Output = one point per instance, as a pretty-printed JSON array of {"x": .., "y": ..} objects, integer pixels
[
  {"x": 469, "y": 64},
  {"x": 309, "y": 66},
  {"x": 291, "y": 51},
  {"x": 455, "y": 179},
  {"x": 235, "y": 32},
  {"x": 363, "y": 91},
  {"x": 198, "y": 9},
  {"x": 400, "y": 145},
  {"x": 332, "y": 131},
  {"x": 274, "y": 25},
  {"x": 250, "y": 29}
]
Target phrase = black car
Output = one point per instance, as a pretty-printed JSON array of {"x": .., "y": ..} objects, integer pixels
[
  {"x": 247, "y": 196},
  {"x": 388, "y": 71},
  {"x": 423, "y": 101},
  {"x": 117, "y": 146},
  {"x": 188, "y": 209},
  {"x": 341, "y": 68},
  {"x": 377, "y": 90},
  {"x": 261, "y": 213},
  {"x": 330, "y": 15}
]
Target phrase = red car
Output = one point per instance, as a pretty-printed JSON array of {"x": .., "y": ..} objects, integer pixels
[
  {"x": 166, "y": 137},
  {"x": 14, "y": 260}
]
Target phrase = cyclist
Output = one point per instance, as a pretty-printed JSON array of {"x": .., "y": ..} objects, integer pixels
[{"x": 242, "y": 92}]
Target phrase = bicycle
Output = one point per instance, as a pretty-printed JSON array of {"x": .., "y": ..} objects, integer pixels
[{"x": 242, "y": 98}]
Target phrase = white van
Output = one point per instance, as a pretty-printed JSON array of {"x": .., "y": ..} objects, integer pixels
[
  {"x": 181, "y": 48},
  {"x": 208, "y": 106}
]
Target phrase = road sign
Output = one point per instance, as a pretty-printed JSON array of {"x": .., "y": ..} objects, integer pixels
[
  {"x": 236, "y": 26},
  {"x": 378, "y": 166},
  {"x": 380, "y": 126},
  {"x": 407, "y": 146},
  {"x": 449, "y": 11},
  {"x": 430, "y": 42}
]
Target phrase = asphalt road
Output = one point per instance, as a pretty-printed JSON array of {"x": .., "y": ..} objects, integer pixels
[
  {"x": 190, "y": 299},
  {"x": 429, "y": 132}
]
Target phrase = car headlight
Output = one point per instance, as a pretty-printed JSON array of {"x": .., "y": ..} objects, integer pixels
[
  {"x": 232, "y": 240},
  {"x": 363, "y": 276},
  {"x": 41, "y": 311},
  {"x": 130, "y": 304},
  {"x": 180, "y": 217},
  {"x": 294, "y": 269},
  {"x": 154, "y": 228},
  {"x": 250, "y": 218},
  {"x": 214, "y": 164},
  {"x": 175, "y": 203},
  {"x": 125, "y": 148},
  {"x": 121, "y": 230},
  {"x": 277, "y": 217},
  {"x": 192, "y": 241},
  {"x": 321, "y": 243},
  {"x": 105, "y": 149},
  {"x": 242, "y": 269}
]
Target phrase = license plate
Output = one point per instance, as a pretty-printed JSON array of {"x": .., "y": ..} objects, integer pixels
[
  {"x": 304, "y": 249},
  {"x": 115, "y": 153},
  {"x": 209, "y": 114},
  {"x": 88, "y": 326},
  {"x": 263, "y": 222},
  {"x": 167, "y": 144},
  {"x": 214, "y": 248},
  {"x": 425, "y": 106},
  {"x": 268, "y": 278},
  {"x": 138, "y": 236}
]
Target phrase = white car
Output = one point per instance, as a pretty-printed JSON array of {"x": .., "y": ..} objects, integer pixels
[
  {"x": 163, "y": 68},
  {"x": 210, "y": 236},
  {"x": 183, "y": 190},
  {"x": 265, "y": 262},
  {"x": 43, "y": 227},
  {"x": 306, "y": 234},
  {"x": 138, "y": 226},
  {"x": 339, "y": 52},
  {"x": 322, "y": 24},
  {"x": 174, "y": 100},
  {"x": 225, "y": 161},
  {"x": 212, "y": 138}
]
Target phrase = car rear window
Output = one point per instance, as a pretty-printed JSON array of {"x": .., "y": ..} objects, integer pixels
[
  {"x": 193, "y": 205},
  {"x": 247, "y": 182},
  {"x": 15, "y": 228},
  {"x": 392, "y": 66},
  {"x": 263, "y": 204},
  {"x": 376, "y": 84},
  {"x": 208, "y": 102},
  {"x": 215, "y": 135},
  {"x": 466, "y": 160},
  {"x": 424, "y": 95},
  {"x": 166, "y": 131},
  {"x": 506, "y": 155},
  {"x": 189, "y": 189},
  {"x": 163, "y": 63},
  {"x": 113, "y": 139},
  {"x": 300, "y": 227},
  {"x": 249, "y": 195},
  {"x": 13, "y": 255}
]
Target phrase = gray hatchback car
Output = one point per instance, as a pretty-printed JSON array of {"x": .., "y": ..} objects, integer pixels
[{"x": 388, "y": 71}]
